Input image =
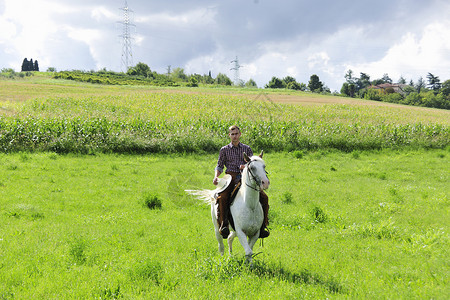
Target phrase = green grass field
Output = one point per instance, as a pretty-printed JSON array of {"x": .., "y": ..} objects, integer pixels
[
  {"x": 355, "y": 225},
  {"x": 359, "y": 195}
]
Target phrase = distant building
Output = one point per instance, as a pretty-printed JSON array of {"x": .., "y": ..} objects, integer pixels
[{"x": 387, "y": 88}]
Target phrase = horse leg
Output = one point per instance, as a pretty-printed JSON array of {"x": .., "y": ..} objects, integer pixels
[
  {"x": 252, "y": 240},
  {"x": 216, "y": 228},
  {"x": 230, "y": 240},
  {"x": 243, "y": 240}
]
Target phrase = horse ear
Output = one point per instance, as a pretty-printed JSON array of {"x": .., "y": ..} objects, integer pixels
[
  {"x": 246, "y": 158},
  {"x": 261, "y": 154}
]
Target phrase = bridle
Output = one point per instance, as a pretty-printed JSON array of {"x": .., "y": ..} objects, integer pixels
[{"x": 253, "y": 177}]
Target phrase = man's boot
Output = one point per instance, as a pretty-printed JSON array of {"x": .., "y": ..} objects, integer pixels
[
  {"x": 264, "y": 200},
  {"x": 222, "y": 214}
]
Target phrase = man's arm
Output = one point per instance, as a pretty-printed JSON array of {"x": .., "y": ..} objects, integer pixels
[
  {"x": 219, "y": 168},
  {"x": 216, "y": 176}
]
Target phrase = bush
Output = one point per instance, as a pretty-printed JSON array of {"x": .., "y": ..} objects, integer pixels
[
  {"x": 372, "y": 94},
  {"x": 152, "y": 201},
  {"x": 287, "y": 198},
  {"x": 298, "y": 154},
  {"x": 318, "y": 215}
]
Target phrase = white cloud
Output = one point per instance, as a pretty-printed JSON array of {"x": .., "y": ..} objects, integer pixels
[
  {"x": 296, "y": 39},
  {"x": 414, "y": 56},
  {"x": 102, "y": 14},
  {"x": 318, "y": 60}
]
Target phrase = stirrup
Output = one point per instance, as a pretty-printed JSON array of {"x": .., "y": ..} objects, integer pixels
[{"x": 263, "y": 233}]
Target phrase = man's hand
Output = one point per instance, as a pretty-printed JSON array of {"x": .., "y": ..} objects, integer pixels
[{"x": 216, "y": 180}]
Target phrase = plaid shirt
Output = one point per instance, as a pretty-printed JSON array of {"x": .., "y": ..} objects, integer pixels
[{"x": 232, "y": 157}]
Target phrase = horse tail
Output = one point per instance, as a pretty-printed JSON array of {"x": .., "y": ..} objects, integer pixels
[{"x": 206, "y": 196}]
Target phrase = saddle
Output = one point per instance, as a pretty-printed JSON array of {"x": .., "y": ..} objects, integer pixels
[{"x": 230, "y": 201}]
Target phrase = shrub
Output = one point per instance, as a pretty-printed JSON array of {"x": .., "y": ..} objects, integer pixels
[
  {"x": 287, "y": 198},
  {"x": 318, "y": 214},
  {"x": 152, "y": 201},
  {"x": 298, "y": 154}
]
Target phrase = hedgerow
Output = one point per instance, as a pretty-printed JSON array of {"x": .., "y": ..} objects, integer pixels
[{"x": 113, "y": 78}]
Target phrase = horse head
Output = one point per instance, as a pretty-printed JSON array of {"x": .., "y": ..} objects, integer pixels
[{"x": 257, "y": 170}]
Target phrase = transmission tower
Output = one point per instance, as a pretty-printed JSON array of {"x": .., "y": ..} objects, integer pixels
[
  {"x": 127, "y": 54},
  {"x": 236, "y": 67}
]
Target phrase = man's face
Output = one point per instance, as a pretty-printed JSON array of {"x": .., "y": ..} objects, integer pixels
[{"x": 234, "y": 134}]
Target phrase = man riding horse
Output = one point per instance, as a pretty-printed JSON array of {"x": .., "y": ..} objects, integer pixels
[{"x": 232, "y": 157}]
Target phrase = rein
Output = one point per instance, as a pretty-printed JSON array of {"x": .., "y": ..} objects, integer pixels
[{"x": 249, "y": 171}]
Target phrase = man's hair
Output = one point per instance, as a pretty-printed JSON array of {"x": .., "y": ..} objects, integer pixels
[{"x": 233, "y": 128}]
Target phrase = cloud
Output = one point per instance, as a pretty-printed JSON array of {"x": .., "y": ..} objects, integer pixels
[
  {"x": 271, "y": 38},
  {"x": 414, "y": 55}
]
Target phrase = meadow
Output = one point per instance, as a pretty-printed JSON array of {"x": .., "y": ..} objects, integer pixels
[
  {"x": 92, "y": 201},
  {"x": 343, "y": 225}
]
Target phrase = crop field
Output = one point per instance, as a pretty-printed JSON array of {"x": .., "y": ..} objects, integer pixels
[
  {"x": 138, "y": 120},
  {"x": 92, "y": 201}
]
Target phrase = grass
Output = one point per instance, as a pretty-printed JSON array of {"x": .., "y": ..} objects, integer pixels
[
  {"x": 75, "y": 226},
  {"x": 82, "y": 218}
]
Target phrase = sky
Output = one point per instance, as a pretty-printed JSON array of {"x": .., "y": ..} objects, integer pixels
[{"x": 297, "y": 38}]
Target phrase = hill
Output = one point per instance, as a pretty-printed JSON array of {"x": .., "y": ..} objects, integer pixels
[{"x": 43, "y": 114}]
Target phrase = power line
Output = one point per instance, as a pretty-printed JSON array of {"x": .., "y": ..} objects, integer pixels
[{"x": 127, "y": 53}]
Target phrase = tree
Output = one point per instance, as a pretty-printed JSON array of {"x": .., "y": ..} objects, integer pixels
[
  {"x": 140, "y": 69},
  {"x": 363, "y": 81},
  {"x": 446, "y": 88},
  {"x": 178, "y": 73},
  {"x": 251, "y": 83},
  {"x": 349, "y": 87},
  {"x": 223, "y": 79},
  {"x": 275, "y": 83},
  {"x": 434, "y": 83},
  {"x": 315, "y": 85},
  {"x": 208, "y": 78},
  {"x": 25, "y": 65},
  {"x": 288, "y": 79},
  {"x": 349, "y": 77},
  {"x": 344, "y": 89},
  {"x": 193, "y": 82},
  {"x": 294, "y": 85},
  {"x": 402, "y": 80},
  {"x": 386, "y": 78},
  {"x": 36, "y": 66},
  {"x": 420, "y": 85}
]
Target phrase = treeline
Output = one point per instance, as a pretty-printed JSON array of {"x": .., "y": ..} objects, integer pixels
[
  {"x": 11, "y": 74},
  {"x": 430, "y": 93},
  {"x": 113, "y": 78},
  {"x": 288, "y": 82},
  {"x": 141, "y": 74}
]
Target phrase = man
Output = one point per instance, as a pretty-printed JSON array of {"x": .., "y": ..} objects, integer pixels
[{"x": 232, "y": 157}]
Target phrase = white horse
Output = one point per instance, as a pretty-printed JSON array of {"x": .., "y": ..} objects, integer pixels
[{"x": 246, "y": 209}]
